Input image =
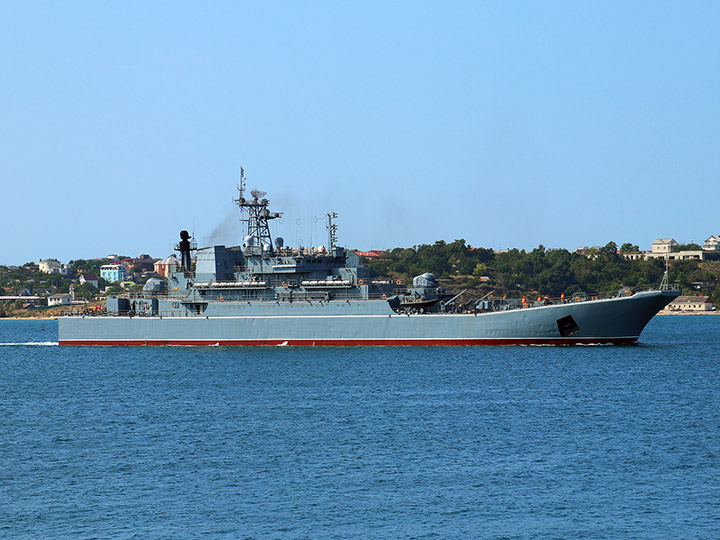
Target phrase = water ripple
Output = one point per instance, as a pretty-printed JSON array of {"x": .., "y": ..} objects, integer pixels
[{"x": 287, "y": 443}]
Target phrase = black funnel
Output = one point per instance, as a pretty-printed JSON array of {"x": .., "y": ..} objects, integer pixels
[{"x": 185, "y": 259}]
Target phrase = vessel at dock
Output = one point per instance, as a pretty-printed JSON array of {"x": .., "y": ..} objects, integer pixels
[{"x": 264, "y": 293}]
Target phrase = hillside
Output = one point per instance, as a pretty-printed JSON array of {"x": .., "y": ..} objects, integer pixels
[{"x": 541, "y": 271}]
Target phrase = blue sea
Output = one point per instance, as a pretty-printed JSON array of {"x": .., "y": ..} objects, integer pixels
[{"x": 342, "y": 443}]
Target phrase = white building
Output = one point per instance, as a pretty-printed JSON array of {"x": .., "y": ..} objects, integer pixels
[
  {"x": 664, "y": 245},
  {"x": 662, "y": 248},
  {"x": 52, "y": 266},
  {"x": 712, "y": 243},
  {"x": 59, "y": 300},
  {"x": 31, "y": 300},
  {"x": 92, "y": 279},
  {"x": 690, "y": 304},
  {"x": 699, "y": 255}
]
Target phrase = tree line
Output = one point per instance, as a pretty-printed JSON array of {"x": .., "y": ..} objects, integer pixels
[{"x": 542, "y": 271}]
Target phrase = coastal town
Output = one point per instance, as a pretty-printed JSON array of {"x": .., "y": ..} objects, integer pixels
[{"x": 34, "y": 289}]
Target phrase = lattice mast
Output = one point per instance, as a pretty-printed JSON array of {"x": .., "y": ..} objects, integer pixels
[
  {"x": 332, "y": 230},
  {"x": 258, "y": 217}
]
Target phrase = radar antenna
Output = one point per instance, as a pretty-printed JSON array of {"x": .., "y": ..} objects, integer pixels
[
  {"x": 241, "y": 187},
  {"x": 258, "y": 216},
  {"x": 332, "y": 230}
]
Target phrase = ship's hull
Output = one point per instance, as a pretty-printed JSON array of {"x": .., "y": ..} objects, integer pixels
[{"x": 616, "y": 320}]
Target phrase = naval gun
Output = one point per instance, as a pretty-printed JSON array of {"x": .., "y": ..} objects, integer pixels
[{"x": 424, "y": 295}]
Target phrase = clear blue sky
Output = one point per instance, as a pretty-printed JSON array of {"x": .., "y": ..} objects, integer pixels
[{"x": 508, "y": 124}]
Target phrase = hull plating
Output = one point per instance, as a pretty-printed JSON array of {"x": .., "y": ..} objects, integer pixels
[{"x": 617, "y": 320}]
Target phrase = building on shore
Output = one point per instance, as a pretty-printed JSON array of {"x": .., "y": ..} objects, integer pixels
[
  {"x": 372, "y": 254},
  {"x": 30, "y": 300},
  {"x": 690, "y": 304},
  {"x": 699, "y": 255},
  {"x": 59, "y": 299},
  {"x": 662, "y": 248},
  {"x": 142, "y": 263},
  {"x": 712, "y": 243},
  {"x": 167, "y": 266},
  {"x": 52, "y": 266},
  {"x": 92, "y": 279},
  {"x": 113, "y": 272}
]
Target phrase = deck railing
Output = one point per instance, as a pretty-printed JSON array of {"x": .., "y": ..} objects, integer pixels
[
  {"x": 487, "y": 305},
  {"x": 504, "y": 304}
]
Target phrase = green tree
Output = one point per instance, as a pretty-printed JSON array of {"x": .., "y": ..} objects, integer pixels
[
  {"x": 609, "y": 251},
  {"x": 687, "y": 247},
  {"x": 480, "y": 269},
  {"x": 627, "y": 247},
  {"x": 85, "y": 291},
  {"x": 114, "y": 289}
]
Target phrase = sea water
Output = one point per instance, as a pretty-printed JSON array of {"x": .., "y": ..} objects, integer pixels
[{"x": 421, "y": 442}]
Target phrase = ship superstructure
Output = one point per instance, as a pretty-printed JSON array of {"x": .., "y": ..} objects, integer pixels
[{"x": 263, "y": 271}]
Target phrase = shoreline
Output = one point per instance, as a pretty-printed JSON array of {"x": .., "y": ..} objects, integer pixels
[
  {"x": 28, "y": 318},
  {"x": 700, "y": 313}
]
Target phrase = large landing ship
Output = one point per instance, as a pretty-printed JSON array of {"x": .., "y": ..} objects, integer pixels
[{"x": 263, "y": 293}]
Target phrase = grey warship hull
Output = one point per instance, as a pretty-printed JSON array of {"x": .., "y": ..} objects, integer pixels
[
  {"x": 617, "y": 320},
  {"x": 263, "y": 293}
]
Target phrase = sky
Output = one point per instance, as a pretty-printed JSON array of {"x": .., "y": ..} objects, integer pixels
[{"x": 506, "y": 124}]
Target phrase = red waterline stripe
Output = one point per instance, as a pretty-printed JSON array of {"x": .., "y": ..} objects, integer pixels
[{"x": 350, "y": 342}]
